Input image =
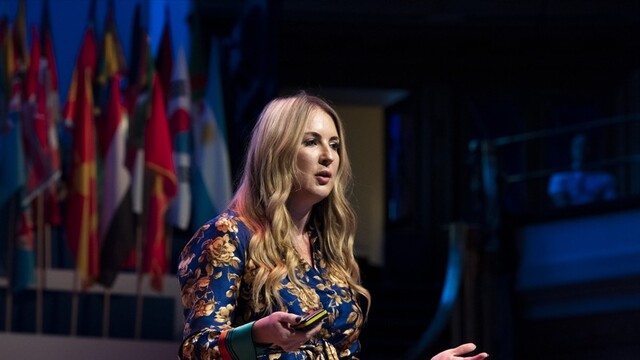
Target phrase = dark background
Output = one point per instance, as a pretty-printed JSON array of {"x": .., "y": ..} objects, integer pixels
[
  {"x": 454, "y": 78},
  {"x": 467, "y": 70}
]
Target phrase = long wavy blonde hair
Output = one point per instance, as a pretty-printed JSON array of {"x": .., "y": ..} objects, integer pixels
[{"x": 267, "y": 181}]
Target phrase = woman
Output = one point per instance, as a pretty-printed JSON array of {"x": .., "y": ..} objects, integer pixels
[{"x": 282, "y": 249}]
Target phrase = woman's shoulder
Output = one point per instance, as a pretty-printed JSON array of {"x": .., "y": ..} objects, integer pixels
[{"x": 225, "y": 224}]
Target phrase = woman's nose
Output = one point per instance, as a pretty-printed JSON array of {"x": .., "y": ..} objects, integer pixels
[{"x": 327, "y": 156}]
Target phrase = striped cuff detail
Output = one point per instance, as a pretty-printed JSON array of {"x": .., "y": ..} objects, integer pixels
[{"x": 237, "y": 344}]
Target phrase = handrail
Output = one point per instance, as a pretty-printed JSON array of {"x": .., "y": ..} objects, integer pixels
[
  {"x": 569, "y": 129},
  {"x": 523, "y": 176},
  {"x": 510, "y": 139}
]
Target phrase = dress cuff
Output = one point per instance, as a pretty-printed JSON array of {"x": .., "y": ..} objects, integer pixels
[{"x": 237, "y": 343}]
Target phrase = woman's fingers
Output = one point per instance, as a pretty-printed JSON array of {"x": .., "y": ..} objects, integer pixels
[{"x": 459, "y": 352}]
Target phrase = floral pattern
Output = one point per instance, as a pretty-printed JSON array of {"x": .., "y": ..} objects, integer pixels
[{"x": 215, "y": 273}]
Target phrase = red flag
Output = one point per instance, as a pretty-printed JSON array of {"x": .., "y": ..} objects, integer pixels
[
  {"x": 49, "y": 81},
  {"x": 86, "y": 60},
  {"x": 163, "y": 186},
  {"x": 41, "y": 171},
  {"x": 82, "y": 217},
  {"x": 34, "y": 67}
]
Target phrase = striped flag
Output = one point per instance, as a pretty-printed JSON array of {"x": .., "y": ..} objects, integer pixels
[
  {"x": 117, "y": 235},
  {"x": 139, "y": 105},
  {"x": 179, "y": 109},
  {"x": 211, "y": 171},
  {"x": 111, "y": 60},
  {"x": 161, "y": 177}
]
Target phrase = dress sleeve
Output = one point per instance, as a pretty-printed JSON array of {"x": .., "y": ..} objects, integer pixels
[{"x": 210, "y": 271}]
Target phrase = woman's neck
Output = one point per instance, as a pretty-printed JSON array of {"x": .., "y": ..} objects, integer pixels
[{"x": 300, "y": 218}]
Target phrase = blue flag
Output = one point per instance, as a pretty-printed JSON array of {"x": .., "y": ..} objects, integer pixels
[{"x": 211, "y": 171}]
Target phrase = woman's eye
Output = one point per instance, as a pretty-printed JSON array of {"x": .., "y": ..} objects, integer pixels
[
  {"x": 335, "y": 146},
  {"x": 309, "y": 142}
]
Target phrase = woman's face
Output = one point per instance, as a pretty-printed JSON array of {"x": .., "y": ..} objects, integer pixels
[{"x": 317, "y": 160}]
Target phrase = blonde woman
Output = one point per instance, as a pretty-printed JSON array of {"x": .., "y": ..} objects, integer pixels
[{"x": 282, "y": 249}]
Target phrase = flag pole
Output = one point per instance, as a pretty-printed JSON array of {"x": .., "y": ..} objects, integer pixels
[
  {"x": 74, "y": 303},
  {"x": 139, "y": 300},
  {"x": 169, "y": 244},
  {"x": 10, "y": 249},
  {"x": 106, "y": 313},
  {"x": 40, "y": 261}
]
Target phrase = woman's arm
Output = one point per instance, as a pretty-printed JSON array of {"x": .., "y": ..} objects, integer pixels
[{"x": 210, "y": 271}]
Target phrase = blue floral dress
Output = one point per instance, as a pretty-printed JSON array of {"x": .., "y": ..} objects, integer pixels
[{"x": 215, "y": 277}]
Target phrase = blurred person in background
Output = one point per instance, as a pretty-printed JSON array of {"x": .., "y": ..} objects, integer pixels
[{"x": 581, "y": 185}]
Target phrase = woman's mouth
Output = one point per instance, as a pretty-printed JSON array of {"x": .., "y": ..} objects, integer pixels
[{"x": 323, "y": 177}]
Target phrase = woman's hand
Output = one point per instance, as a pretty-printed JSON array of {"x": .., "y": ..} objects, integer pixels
[
  {"x": 458, "y": 352},
  {"x": 277, "y": 329}
]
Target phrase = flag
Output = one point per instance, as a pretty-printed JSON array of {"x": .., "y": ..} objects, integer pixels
[
  {"x": 16, "y": 221},
  {"x": 211, "y": 172},
  {"x": 42, "y": 166},
  {"x": 162, "y": 181},
  {"x": 88, "y": 57},
  {"x": 179, "y": 109},
  {"x": 8, "y": 63},
  {"x": 12, "y": 172},
  {"x": 48, "y": 53},
  {"x": 139, "y": 104},
  {"x": 117, "y": 235},
  {"x": 20, "y": 46},
  {"x": 49, "y": 81},
  {"x": 111, "y": 60},
  {"x": 164, "y": 58},
  {"x": 81, "y": 225}
]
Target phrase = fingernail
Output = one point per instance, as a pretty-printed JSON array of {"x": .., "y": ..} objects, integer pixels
[{"x": 298, "y": 319}]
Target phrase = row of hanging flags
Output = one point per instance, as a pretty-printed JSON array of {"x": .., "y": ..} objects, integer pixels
[{"x": 115, "y": 167}]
